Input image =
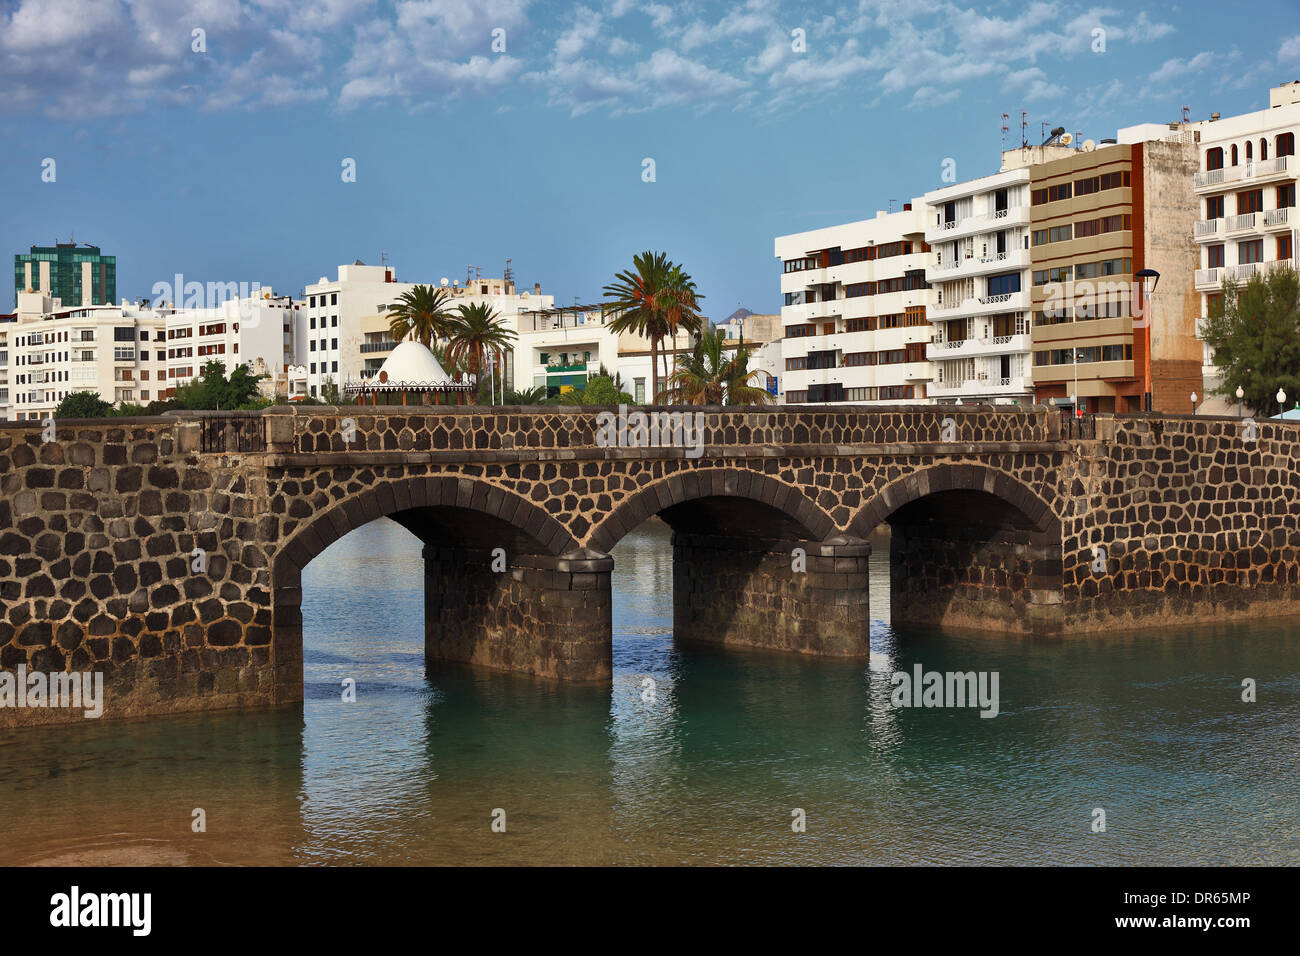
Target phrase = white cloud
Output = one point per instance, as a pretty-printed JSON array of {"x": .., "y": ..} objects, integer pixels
[
  {"x": 1290, "y": 49},
  {"x": 1175, "y": 68}
]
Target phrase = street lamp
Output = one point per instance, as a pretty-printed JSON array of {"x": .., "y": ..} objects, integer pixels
[
  {"x": 1154, "y": 276},
  {"x": 1240, "y": 394},
  {"x": 1281, "y": 400},
  {"x": 1193, "y": 403}
]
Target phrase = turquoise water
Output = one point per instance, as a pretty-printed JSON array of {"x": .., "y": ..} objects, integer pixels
[{"x": 1148, "y": 726}]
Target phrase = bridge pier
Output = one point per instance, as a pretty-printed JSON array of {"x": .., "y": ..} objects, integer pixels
[
  {"x": 745, "y": 592},
  {"x": 1006, "y": 580},
  {"x": 541, "y": 616}
]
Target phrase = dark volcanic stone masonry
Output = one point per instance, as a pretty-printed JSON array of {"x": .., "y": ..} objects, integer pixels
[{"x": 133, "y": 548}]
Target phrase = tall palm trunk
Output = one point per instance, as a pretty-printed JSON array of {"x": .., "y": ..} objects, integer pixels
[{"x": 654, "y": 370}]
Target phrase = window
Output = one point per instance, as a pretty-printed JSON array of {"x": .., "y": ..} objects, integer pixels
[
  {"x": 1113, "y": 180},
  {"x": 1285, "y": 144},
  {"x": 1116, "y": 267},
  {"x": 865, "y": 324},
  {"x": 1055, "y": 274},
  {"x": 1089, "y": 227},
  {"x": 1085, "y": 187},
  {"x": 334, "y": 366},
  {"x": 799, "y": 265},
  {"x": 1286, "y": 196},
  {"x": 855, "y": 359},
  {"x": 334, "y": 299},
  {"x": 639, "y": 392},
  {"x": 313, "y": 321},
  {"x": 857, "y": 289},
  {"x": 313, "y": 368},
  {"x": 1284, "y": 247},
  {"x": 1004, "y": 284},
  {"x": 1214, "y": 256},
  {"x": 1234, "y": 154},
  {"x": 1087, "y": 270},
  {"x": 1252, "y": 250},
  {"x": 1053, "y": 234},
  {"x": 334, "y": 321},
  {"x": 1214, "y": 158},
  {"x": 800, "y": 331},
  {"x": 1250, "y": 201},
  {"x": 123, "y": 334},
  {"x": 1213, "y": 207}
]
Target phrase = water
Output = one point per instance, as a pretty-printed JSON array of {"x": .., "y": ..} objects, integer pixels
[{"x": 1148, "y": 726}]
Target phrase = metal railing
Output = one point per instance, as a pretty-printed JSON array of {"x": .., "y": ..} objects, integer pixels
[
  {"x": 1078, "y": 427},
  {"x": 227, "y": 433}
]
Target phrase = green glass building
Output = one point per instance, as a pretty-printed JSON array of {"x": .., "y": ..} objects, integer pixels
[{"x": 60, "y": 270}]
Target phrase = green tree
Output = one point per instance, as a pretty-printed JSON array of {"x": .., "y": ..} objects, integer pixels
[
  {"x": 711, "y": 376},
  {"x": 654, "y": 299},
  {"x": 601, "y": 390},
  {"x": 331, "y": 394},
  {"x": 82, "y": 405},
  {"x": 213, "y": 390},
  {"x": 475, "y": 333},
  {"x": 420, "y": 314},
  {"x": 1254, "y": 330}
]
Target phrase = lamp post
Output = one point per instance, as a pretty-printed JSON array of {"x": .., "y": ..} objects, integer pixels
[
  {"x": 1074, "y": 399},
  {"x": 1240, "y": 394},
  {"x": 1281, "y": 400},
  {"x": 1193, "y": 403},
  {"x": 1154, "y": 276}
]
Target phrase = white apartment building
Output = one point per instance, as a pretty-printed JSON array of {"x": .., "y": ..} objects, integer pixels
[
  {"x": 979, "y": 271},
  {"x": 856, "y": 311},
  {"x": 1246, "y": 191},
  {"x": 118, "y": 351},
  {"x": 257, "y": 331},
  {"x": 327, "y": 330}
]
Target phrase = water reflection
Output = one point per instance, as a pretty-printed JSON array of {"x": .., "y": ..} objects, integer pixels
[{"x": 1149, "y": 726}]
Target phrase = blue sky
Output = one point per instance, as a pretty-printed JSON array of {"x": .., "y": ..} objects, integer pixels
[{"x": 225, "y": 164}]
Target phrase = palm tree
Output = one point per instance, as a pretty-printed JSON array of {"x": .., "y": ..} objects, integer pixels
[
  {"x": 420, "y": 314},
  {"x": 653, "y": 299},
  {"x": 682, "y": 309},
  {"x": 708, "y": 376},
  {"x": 529, "y": 396},
  {"x": 474, "y": 333}
]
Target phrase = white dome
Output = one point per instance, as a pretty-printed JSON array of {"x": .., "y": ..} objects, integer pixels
[{"x": 412, "y": 363}]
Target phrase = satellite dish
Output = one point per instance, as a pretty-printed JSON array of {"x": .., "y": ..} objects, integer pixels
[
  {"x": 444, "y": 280},
  {"x": 1067, "y": 139},
  {"x": 1089, "y": 145},
  {"x": 455, "y": 283}
]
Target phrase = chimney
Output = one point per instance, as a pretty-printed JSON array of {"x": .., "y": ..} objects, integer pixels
[
  {"x": 1214, "y": 117},
  {"x": 537, "y": 288},
  {"x": 907, "y": 207}
]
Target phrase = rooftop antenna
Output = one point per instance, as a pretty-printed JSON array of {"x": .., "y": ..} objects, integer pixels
[
  {"x": 1024, "y": 128},
  {"x": 891, "y": 205},
  {"x": 1187, "y": 115},
  {"x": 469, "y": 274},
  {"x": 383, "y": 258},
  {"x": 509, "y": 276},
  {"x": 1005, "y": 128}
]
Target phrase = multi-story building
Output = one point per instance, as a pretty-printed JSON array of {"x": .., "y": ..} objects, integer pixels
[
  {"x": 259, "y": 328},
  {"x": 1245, "y": 187},
  {"x": 979, "y": 271},
  {"x": 117, "y": 351},
  {"x": 74, "y": 274},
  {"x": 1099, "y": 216},
  {"x": 327, "y": 331},
  {"x": 856, "y": 311}
]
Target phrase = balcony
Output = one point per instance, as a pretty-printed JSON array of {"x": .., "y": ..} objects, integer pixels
[
  {"x": 1209, "y": 228},
  {"x": 987, "y": 345},
  {"x": 1277, "y": 218},
  {"x": 1208, "y": 278},
  {"x": 1240, "y": 223},
  {"x": 994, "y": 221},
  {"x": 984, "y": 386},
  {"x": 1250, "y": 171},
  {"x": 385, "y": 346},
  {"x": 978, "y": 265}
]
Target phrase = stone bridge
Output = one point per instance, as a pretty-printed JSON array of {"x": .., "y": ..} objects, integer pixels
[{"x": 168, "y": 552}]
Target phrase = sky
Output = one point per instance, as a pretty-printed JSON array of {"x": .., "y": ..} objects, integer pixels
[{"x": 214, "y": 138}]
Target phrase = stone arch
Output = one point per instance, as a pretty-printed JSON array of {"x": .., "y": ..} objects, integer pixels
[
  {"x": 388, "y": 498},
  {"x": 948, "y": 477},
  {"x": 709, "y": 483}
]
